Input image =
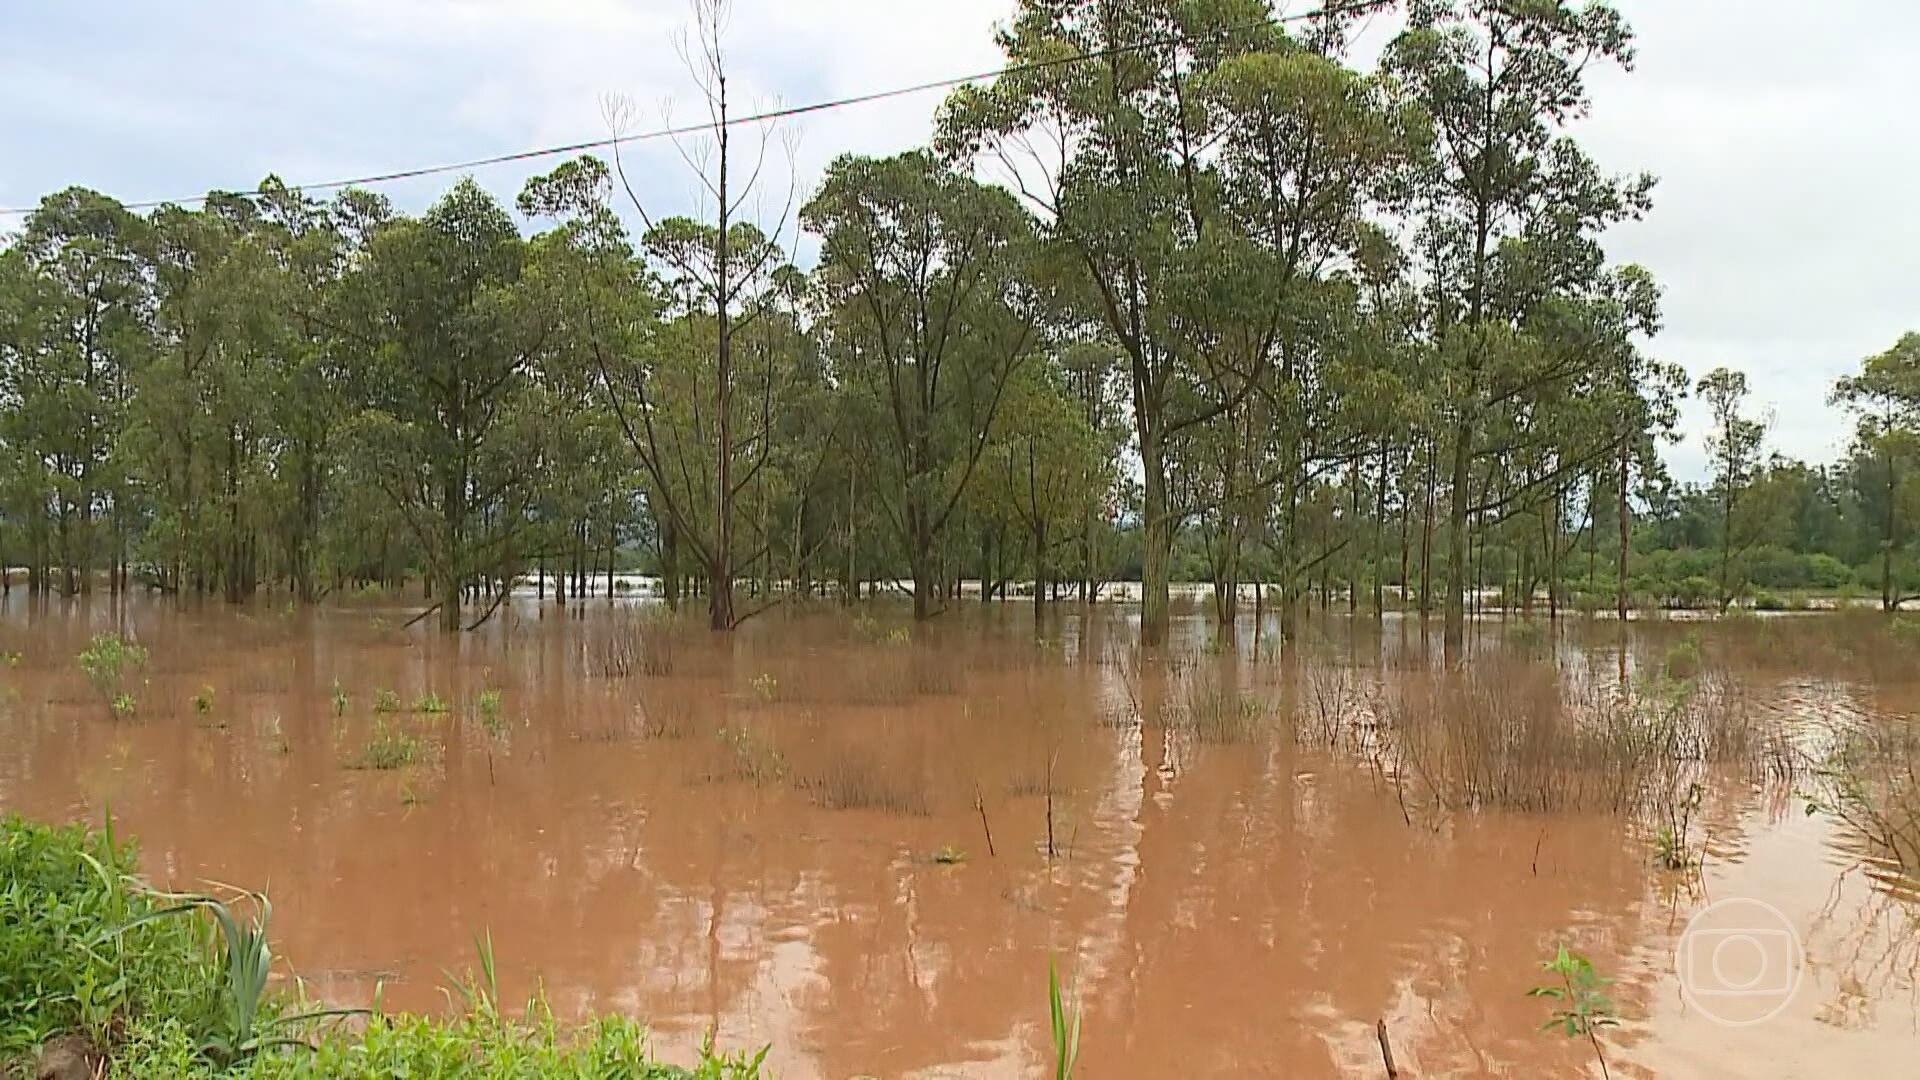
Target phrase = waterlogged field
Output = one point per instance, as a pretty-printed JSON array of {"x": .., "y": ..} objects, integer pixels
[{"x": 861, "y": 842}]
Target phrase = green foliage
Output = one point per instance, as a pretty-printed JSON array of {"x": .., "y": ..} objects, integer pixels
[
  {"x": 384, "y": 701},
  {"x": 339, "y": 698},
  {"x": 492, "y": 714},
  {"x": 751, "y": 757},
  {"x": 109, "y": 661},
  {"x": 203, "y": 700},
  {"x": 389, "y": 747},
  {"x": 60, "y": 887},
  {"x": 1064, "y": 1023},
  {"x": 1581, "y": 1006},
  {"x": 1684, "y": 659},
  {"x": 431, "y": 703},
  {"x": 123, "y": 706},
  {"x": 1670, "y": 850},
  {"x": 248, "y": 1022}
]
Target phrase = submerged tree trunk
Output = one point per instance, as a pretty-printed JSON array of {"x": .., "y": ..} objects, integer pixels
[
  {"x": 1456, "y": 625},
  {"x": 1156, "y": 562},
  {"x": 1626, "y": 530}
]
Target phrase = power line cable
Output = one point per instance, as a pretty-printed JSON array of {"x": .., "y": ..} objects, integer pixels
[{"x": 1326, "y": 10}]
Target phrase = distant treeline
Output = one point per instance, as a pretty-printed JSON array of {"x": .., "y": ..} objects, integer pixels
[{"x": 1185, "y": 292}]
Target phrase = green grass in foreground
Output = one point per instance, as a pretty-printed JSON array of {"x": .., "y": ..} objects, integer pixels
[{"x": 86, "y": 954}]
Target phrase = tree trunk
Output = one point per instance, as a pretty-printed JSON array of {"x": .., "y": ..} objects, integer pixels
[
  {"x": 1040, "y": 580},
  {"x": 1426, "y": 538},
  {"x": 1157, "y": 541},
  {"x": 1626, "y": 530},
  {"x": 1456, "y": 625},
  {"x": 1889, "y": 595}
]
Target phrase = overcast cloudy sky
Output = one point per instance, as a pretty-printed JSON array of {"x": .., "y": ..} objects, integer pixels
[{"x": 1786, "y": 229}]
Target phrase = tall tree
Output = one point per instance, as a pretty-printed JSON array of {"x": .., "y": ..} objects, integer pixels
[
  {"x": 1734, "y": 449},
  {"x": 1885, "y": 398},
  {"x": 1508, "y": 194},
  {"x": 920, "y": 274},
  {"x": 447, "y": 428},
  {"x": 1115, "y": 154},
  {"x": 729, "y": 272}
]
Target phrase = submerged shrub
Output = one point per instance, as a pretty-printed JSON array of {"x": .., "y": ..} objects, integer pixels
[
  {"x": 1870, "y": 781},
  {"x": 855, "y": 779},
  {"x": 389, "y": 747},
  {"x": 1505, "y": 737},
  {"x": 642, "y": 639},
  {"x": 1684, "y": 660},
  {"x": 1213, "y": 710},
  {"x": 109, "y": 661}
]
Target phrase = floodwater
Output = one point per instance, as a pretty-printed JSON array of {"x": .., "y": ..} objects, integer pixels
[{"x": 784, "y": 838}]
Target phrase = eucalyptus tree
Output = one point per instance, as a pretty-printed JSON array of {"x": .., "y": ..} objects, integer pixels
[
  {"x": 448, "y": 427},
  {"x": 1885, "y": 398},
  {"x": 1048, "y": 470},
  {"x": 1114, "y": 153},
  {"x": 1507, "y": 198},
  {"x": 209, "y": 403},
  {"x": 1733, "y": 447},
  {"x": 75, "y": 328},
  {"x": 927, "y": 318},
  {"x": 724, "y": 273}
]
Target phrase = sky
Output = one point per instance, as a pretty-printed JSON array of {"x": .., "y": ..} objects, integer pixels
[{"x": 1785, "y": 229}]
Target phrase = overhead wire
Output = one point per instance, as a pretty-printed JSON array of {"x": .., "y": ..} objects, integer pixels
[{"x": 766, "y": 116}]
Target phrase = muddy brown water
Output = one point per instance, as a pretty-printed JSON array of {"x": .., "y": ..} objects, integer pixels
[{"x": 758, "y": 837}]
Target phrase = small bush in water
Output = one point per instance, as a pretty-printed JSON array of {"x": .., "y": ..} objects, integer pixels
[
  {"x": 492, "y": 718},
  {"x": 1684, "y": 659},
  {"x": 386, "y": 701},
  {"x": 388, "y": 748},
  {"x": 430, "y": 703},
  {"x": 1581, "y": 1006},
  {"x": 109, "y": 661}
]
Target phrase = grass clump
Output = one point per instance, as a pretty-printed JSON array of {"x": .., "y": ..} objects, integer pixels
[
  {"x": 491, "y": 708},
  {"x": 431, "y": 703},
  {"x": 854, "y": 779},
  {"x": 643, "y": 640},
  {"x": 385, "y": 701},
  {"x": 1504, "y": 736},
  {"x": 747, "y": 756},
  {"x": 1214, "y": 711},
  {"x": 61, "y": 889},
  {"x": 1064, "y": 1023},
  {"x": 389, "y": 747}
]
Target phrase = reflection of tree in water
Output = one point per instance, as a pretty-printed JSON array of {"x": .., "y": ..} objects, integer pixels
[{"x": 1864, "y": 943}]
